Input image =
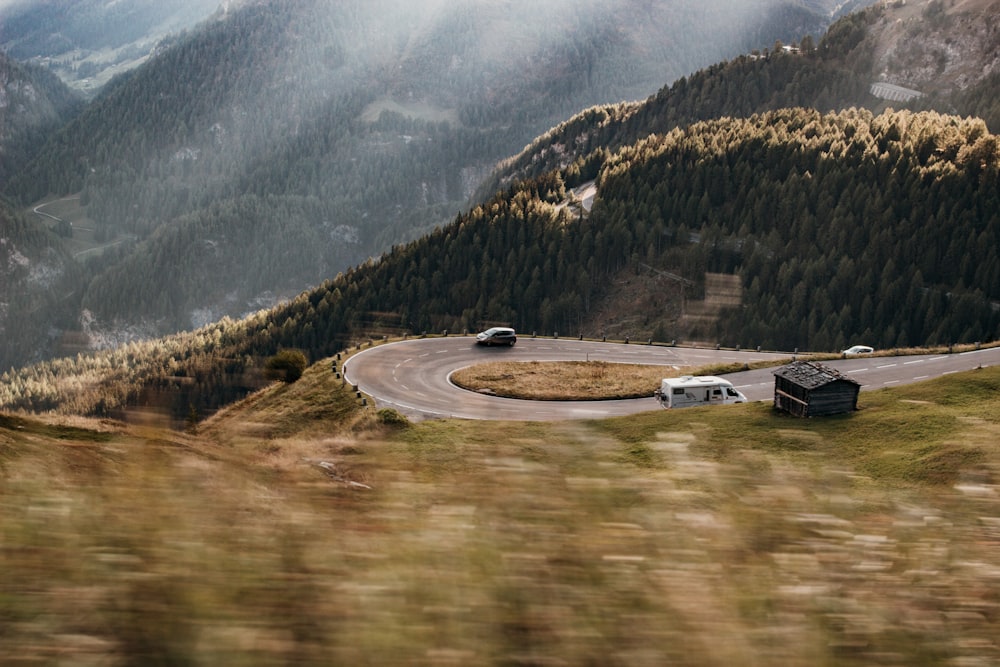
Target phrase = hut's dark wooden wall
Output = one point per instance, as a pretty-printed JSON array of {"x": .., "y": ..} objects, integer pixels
[{"x": 809, "y": 389}]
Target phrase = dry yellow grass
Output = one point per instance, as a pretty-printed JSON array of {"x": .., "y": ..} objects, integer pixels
[
  {"x": 729, "y": 535},
  {"x": 563, "y": 381}
]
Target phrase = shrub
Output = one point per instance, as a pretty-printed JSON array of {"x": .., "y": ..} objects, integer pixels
[
  {"x": 287, "y": 365},
  {"x": 392, "y": 417}
]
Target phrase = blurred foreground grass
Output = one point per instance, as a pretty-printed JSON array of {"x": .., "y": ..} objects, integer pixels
[{"x": 299, "y": 528}]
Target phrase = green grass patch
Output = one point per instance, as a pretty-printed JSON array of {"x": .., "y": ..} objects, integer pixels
[{"x": 898, "y": 436}]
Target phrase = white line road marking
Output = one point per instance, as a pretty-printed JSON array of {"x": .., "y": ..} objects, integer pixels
[
  {"x": 921, "y": 377},
  {"x": 892, "y": 382},
  {"x": 886, "y": 366},
  {"x": 918, "y": 361}
]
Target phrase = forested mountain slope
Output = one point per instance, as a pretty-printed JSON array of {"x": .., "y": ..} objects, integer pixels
[
  {"x": 37, "y": 273},
  {"x": 840, "y": 226},
  {"x": 33, "y": 105},
  {"x": 286, "y": 141}
]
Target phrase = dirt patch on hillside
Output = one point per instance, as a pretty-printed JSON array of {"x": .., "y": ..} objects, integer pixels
[{"x": 647, "y": 304}]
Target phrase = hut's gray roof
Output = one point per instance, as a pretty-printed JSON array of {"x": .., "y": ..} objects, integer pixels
[{"x": 811, "y": 374}]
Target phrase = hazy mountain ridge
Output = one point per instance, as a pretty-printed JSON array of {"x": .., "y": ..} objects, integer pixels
[{"x": 379, "y": 129}]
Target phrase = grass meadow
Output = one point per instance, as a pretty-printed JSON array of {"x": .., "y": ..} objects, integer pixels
[{"x": 300, "y": 527}]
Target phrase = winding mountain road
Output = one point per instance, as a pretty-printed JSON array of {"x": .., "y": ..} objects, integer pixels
[{"x": 413, "y": 376}]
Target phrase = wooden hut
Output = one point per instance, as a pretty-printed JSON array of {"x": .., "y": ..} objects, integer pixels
[{"x": 810, "y": 389}]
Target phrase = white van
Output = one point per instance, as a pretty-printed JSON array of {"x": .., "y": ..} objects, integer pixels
[{"x": 691, "y": 390}]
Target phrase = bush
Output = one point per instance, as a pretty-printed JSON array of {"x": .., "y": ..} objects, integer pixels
[
  {"x": 392, "y": 417},
  {"x": 287, "y": 365}
]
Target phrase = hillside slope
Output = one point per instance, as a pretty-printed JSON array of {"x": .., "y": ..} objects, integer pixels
[{"x": 298, "y": 528}]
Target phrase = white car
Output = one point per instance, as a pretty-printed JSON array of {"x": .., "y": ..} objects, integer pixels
[{"x": 857, "y": 349}]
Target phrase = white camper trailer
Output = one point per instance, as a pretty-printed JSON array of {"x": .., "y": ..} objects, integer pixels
[{"x": 689, "y": 391}]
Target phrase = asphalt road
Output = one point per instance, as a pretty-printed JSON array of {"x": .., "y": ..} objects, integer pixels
[{"x": 414, "y": 376}]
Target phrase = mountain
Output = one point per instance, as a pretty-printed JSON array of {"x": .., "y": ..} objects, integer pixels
[
  {"x": 843, "y": 70},
  {"x": 283, "y": 142},
  {"x": 86, "y": 42}
]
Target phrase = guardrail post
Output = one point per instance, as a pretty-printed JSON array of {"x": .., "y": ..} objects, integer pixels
[{"x": 626, "y": 340}]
